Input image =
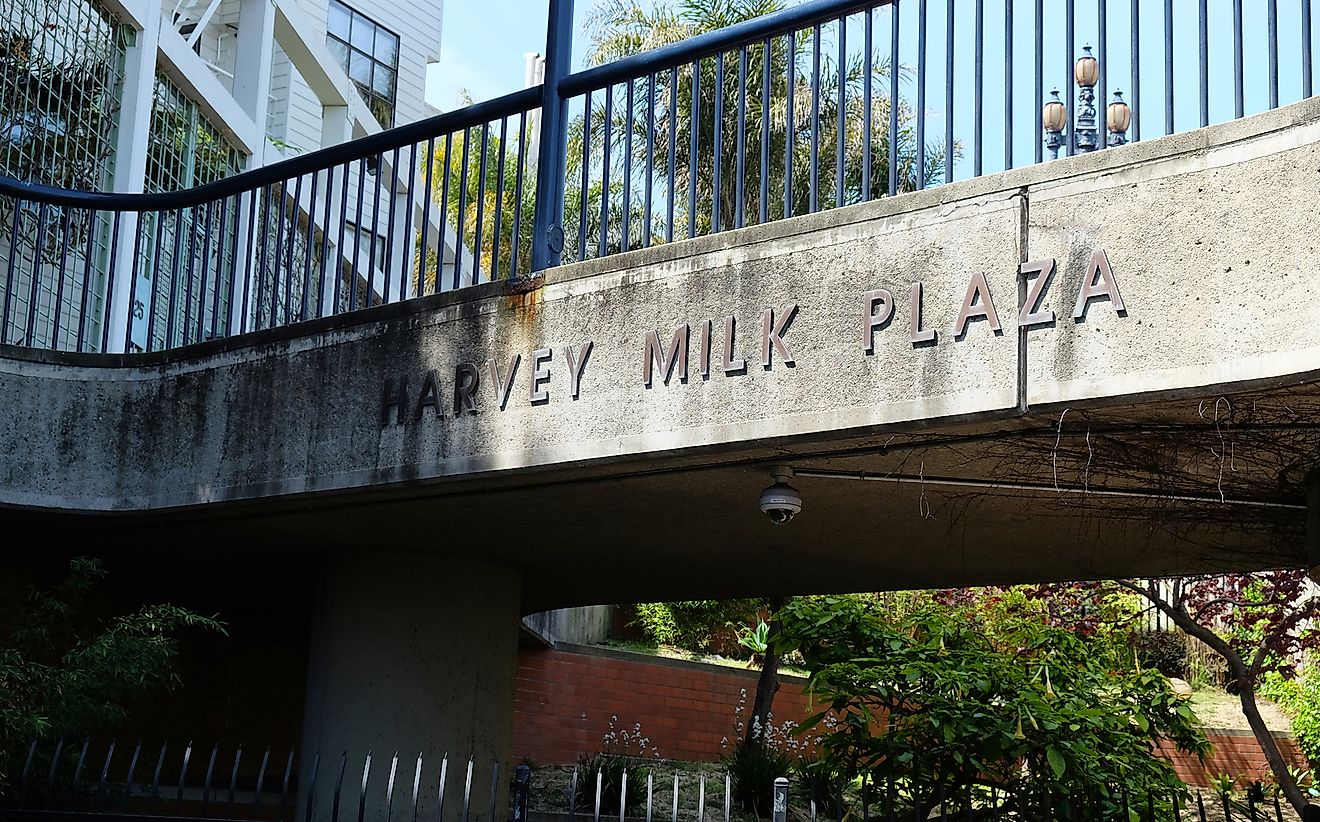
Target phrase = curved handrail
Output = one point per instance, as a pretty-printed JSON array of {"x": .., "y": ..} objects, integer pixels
[{"x": 372, "y": 145}]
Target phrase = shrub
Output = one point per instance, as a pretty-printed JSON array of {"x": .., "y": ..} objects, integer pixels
[
  {"x": 1300, "y": 700},
  {"x": 752, "y": 773},
  {"x": 699, "y": 624},
  {"x": 1165, "y": 651},
  {"x": 621, "y": 755}
]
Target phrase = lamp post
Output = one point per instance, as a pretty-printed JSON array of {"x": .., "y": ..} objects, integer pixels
[{"x": 1085, "y": 134}]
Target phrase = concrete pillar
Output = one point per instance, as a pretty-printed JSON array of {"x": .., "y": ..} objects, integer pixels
[{"x": 411, "y": 653}]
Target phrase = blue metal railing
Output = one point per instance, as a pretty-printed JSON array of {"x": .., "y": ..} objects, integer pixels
[{"x": 817, "y": 106}]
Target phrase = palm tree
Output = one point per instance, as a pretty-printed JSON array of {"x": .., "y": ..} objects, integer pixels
[{"x": 795, "y": 129}]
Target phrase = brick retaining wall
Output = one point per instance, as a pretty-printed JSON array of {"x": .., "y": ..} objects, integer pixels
[{"x": 566, "y": 697}]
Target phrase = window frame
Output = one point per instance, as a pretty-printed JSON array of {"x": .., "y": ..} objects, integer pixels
[{"x": 376, "y": 101}]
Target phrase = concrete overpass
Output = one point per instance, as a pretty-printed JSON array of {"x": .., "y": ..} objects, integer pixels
[{"x": 1100, "y": 366}]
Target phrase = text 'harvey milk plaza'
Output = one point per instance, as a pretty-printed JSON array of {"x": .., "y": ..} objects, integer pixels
[{"x": 976, "y": 315}]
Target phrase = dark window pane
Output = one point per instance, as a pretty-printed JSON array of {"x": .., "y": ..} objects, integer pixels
[
  {"x": 339, "y": 51},
  {"x": 364, "y": 33},
  {"x": 383, "y": 110},
  {"x": 382, "y": 82},
  {"x": 359, "y": 68},
  {"x": 338, "y": 19},
  {"x": 387, "y": 47}
]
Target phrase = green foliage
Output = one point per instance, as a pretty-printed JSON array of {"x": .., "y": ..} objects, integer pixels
[
  {"x": 752, "y": 773},
  {"x": 63, "y": 676},
  {"x": 1300, "y": 700},
  {"x": 612, "y": 769},
  {"x": 1165, "y": 651},
  {"x": 756, "y": 640},
  {"x": 984, "y": 696},
  {"x": 695, "y": 624}
]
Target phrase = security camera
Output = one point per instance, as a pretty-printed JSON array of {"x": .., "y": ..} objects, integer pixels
[{"x": 781, "y": 501}]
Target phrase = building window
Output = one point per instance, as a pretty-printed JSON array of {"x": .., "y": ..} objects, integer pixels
[{"x": 369, "y": 53}]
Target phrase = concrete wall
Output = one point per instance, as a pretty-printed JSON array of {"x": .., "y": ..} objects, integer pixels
[
  {"x": 1206, "y": 307},
  {"x": 576, "y": 626}
]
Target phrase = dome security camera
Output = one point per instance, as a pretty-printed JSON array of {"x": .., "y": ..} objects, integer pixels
[{"x": 781, "y": 501}]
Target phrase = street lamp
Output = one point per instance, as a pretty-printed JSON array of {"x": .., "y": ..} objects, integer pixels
[
  {"x": 1086, "y": 132},
  {"x": 1054, "y": 117},
  {"x": 1118, "y": 117}
]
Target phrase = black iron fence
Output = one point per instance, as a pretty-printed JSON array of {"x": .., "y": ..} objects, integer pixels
[
  {"x": 821, "y": 105},
  {"x": 109, "y": 782}
]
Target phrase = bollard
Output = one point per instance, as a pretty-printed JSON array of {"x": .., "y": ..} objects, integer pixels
[
  {"x": 522, "y": 783},
  {"x": 780, "y": 805}
]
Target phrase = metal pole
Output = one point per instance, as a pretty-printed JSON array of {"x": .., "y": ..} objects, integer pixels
[{"x": 547, "y": 233}]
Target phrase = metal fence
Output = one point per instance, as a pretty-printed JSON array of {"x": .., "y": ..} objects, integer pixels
[
  {"x": 821, "y": 105},
  {"x": 106, "y": 782}
]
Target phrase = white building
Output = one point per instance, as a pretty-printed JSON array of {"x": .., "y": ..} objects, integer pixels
[{"x": 161, "y": 95}]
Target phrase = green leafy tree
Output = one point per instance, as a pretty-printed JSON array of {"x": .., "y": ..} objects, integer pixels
[
  {"x": 63, "y": 674},
  {"x": 967, "y": 694}
]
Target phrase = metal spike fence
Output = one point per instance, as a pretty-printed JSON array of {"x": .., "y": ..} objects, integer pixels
[
  {"x": 817, "y": 106},
  {"x": 65, "y": 781}
]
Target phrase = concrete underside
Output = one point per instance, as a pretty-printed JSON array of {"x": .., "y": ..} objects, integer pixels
[{"x": 1198, "y": 398}]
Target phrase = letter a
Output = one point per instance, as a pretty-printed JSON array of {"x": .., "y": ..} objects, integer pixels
[{"x": 1098, "y": 282}]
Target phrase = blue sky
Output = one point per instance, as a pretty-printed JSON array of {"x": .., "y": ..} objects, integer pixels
[{"x": 483, "y": 43}]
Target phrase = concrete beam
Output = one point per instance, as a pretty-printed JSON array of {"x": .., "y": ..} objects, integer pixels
[{"x": 199, "y": 83}]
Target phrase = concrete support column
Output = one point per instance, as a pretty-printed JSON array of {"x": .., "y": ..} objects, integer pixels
[
  {"x": 131, "y": 142},
  {"x": 411, "y": 653}
]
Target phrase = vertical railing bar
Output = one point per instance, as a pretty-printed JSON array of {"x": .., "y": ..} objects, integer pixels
[
  {"x": 394, "y": 761},
  {"x": 249, "y": 253},
  {"x": 283, "y": 260},
  {"x": 325, "y": 241},
  {"x": 175, "y": 274},
  {"x": 650, "y": 160},
  {"x": 87, "y": 743},
  {"x": 1038, "y": 97},
  {"x": 30, "y": 331},
  {"x": 105, "y": 772},
  {"x": 155, "y": 281},
  {"x": 54, "y": 765},
  {"x": 1168, "y": 67},
  {"x": 1103, "y": 103},
  {"x": 132, "y": 280},
  {"x": 262, "y": 252},
  {"x": 65, "y": 220},
  {"x": 366, "y": 763},
  {"x": 674, "y": 815},
  {"x": 894, "y": 70},
  {"x": 1135, "y": 52},
  {"x": 206, "y": 783},
  {"x": 233, "y": 780},
  {"x": 814, "y": 158},
  {"x": 316, "y": 758},
  {"x": 206, "y": 267},
  {"x": 128, "y": 776},
  {"x": 339, "y": 786},
  {"x": 183, "y": 770},
  {"x": 572, "y": 794},
  {"x": 595, "y": 815},
  {"x": 868, "y": 71},
  {"x": 717, "y": 149},
  {"x": 1069, "y": 57},
  {"x": 293, "y": 209},
  {"x": 479, "y": 229},
  {"x": 417, "y": 770},
  {"x": 391, "y": 225},
  {"x": 625, "y": 242},
  {"x": 1008, "y": 84},
  {"x": 841, "y": 111},
  {"x": 155, "y": 778},
  {"x": 1203, "y": 53},
  {"x": 340, "y": 256},
  {"x": 106, "y": 301},
  {"x": 440, "y": 793},
  {"x": 459, "y": 242},
  {"x": 673, "y": 150},
  {"x": 11, "y": 268},
  {"x": 1239, "y": 99},
  {"x": 518, "y": 195},
  {"x": 948, "y": 91},
  {"x": 1272, "y": 25},
  {"x": 763, "y": 181},
  {"x": 86, "y": 278},
  {"x": 740, "y": 147},
  {"x": 693, "y": 138},
  {"x": 586, "y": 163},
  {"x": 467, "y": 792},
  {"x": 607, "y": 127},
  {"x": 499, "y": 201},
  {"x": 1307, "y": 69},
  {"x": 353, "y": 263},
  {"x": 311, "y": 246},
  {"x": 790, "y": 120},
  {"x": 701, "y": 790},
  {"x": 494, "y": 786},
  {"x": 426, "y": 214},
  {"x": 921, "y": 94},
  {"x": 443, "y": 216},
  {"x": 650, "y": 777},
  {"x": 188, "y": 272},
  {"x": 376, "y": 186},
  {"x": 257, "y": 796},
  {"x": 978, "y": 97}
]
